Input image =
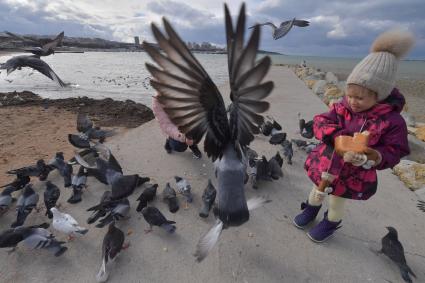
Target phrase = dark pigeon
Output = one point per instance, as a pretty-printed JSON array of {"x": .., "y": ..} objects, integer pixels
[
  {"x": 78, "y": 183},
  {"x": 146, "y": 196},
  {"x": 65, "y": 169},
  {"x": 392, "y": 248},
  {"x": 170, "y": 197},
  {"x": 288, "y": 152},
  {"x": 40, "y": 170},
  {"x": 51, "y": 196},
  {"x": 6, "y": 199},
  {"x": 208, "y": 198},
  {"x": 155, "y": 218}
]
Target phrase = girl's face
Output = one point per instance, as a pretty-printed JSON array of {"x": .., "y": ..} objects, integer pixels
[{"x": 360, "y": 98}]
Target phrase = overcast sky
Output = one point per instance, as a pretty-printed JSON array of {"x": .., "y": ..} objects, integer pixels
[{"x": 338, "y": 27}]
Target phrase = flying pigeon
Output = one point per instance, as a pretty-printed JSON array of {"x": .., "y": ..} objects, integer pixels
[
  {"x": 154, "y": 217},
  {"x": 34, "y": 62},
  {"x": 42, "y": 48},
  {"x": 284, "y": 27},
  {"x": 66, "y": 224},
  {"x": 195, "y": 105}
]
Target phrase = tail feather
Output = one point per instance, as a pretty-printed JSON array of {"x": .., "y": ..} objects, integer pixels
[
  {"x": 256, "y": 202},
  {"x": 169, "y": 227},
  {"x": 103, "y": 274},
  {"x": 208, "y": 241}
]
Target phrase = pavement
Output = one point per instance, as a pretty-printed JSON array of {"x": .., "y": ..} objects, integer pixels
[{"x": 268, "y": 248}]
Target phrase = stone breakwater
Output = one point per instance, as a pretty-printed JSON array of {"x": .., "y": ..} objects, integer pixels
[{"x": 330, "y": 89}]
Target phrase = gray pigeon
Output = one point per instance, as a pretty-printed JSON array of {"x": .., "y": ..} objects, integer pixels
[
  {"x": 40, "y": 170},
  {"x": 88, "y": 133},
  {"x": 65, "y": 169},
  {"x": 288, "y": 152},
  {"x": 51, "y": 196},
  {"x": 113, "y": 243},
  {"x": 33, "y": 237},
  {"x": 183, "y": 187},
  {"x": 194, "y": 104},
  {"x": 102, "y": 208},
  {"x": 154, "y": 217},
  {"x": 34, "y": 62},
  {"x": 392, "y": 248},
  {"x": 6, "y": 199},
  {"x": 78, "y": 182},
  {"x": 208, "y": 198},
  {"x": 170, "y": 197},
  {"x": 284, "y": 27},
  {"x": 421, "y": 205},
  {"x": 275, "y": 166},
  {"x": 120, "y": 210},
  {"x": 27, "y": 201}
]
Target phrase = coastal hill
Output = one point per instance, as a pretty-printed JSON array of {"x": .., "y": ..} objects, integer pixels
[{"x": 81, "y": 44}]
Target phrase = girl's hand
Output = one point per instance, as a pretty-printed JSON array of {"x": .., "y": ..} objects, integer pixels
[
  {"x": 189, "y": 142},
  {"x": 357, "y": 159}
]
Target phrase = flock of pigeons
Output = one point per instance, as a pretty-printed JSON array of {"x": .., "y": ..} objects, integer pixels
[{"x": 195, "y": 105}]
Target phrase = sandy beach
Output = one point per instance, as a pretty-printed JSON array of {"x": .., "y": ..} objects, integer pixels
[{"x": 30, "y": 131}]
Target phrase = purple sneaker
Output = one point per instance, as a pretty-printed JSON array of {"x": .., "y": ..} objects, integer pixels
[
  {"x": 324, "y": 230},
  {"x": 309, "y": 214}
]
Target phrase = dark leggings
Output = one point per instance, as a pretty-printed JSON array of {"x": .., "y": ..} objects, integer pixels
[{"x": 177, "y": 145}]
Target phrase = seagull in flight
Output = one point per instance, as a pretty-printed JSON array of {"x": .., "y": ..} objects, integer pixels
[
  {"x": 43, "y": 48},
  {"x": 284, "y": 27}
]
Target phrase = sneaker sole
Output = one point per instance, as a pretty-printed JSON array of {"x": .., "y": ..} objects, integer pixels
[
  {"x": 317, "y": 241},
  {"x": 298, "y": 226}
]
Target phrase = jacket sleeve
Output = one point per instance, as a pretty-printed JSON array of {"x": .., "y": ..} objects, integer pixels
[
  {"x": 394, "y": 145},
  {"x": 327, "y": 126},
  {"x": 166, "y": 125}
]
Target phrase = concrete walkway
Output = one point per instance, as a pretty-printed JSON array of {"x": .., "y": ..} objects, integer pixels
[{"x": 268, "y": 248}]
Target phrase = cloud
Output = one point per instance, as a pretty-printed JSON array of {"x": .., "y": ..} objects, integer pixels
[{"x": 338, "y": 27}]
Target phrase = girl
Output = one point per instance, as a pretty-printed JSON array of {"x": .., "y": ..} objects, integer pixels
[
  {"x": 176, "y": 140},
  {"x": 373, "y": 104}
]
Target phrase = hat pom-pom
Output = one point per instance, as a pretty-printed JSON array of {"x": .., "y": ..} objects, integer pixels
[{"x": 397, "y": 42}]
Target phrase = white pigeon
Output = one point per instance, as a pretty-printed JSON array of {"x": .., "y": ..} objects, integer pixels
[{"x": 66, "y": 224}]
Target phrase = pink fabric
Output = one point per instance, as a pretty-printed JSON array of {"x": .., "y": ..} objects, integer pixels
[
  {"x": 166, "y": 125},
  {"x": 388, "y": 135}
]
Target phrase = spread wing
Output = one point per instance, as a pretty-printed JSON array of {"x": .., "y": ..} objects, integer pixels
[
  {"x": 193, "y": 101},
  {"x": 54, "y": 43},
  {"x": 189, "y": 96},
  {"x": 245, "y": 76}
]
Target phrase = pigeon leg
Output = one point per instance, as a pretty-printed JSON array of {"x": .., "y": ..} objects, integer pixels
[
  {"x": 186, "y": 205},
  {"x": 125, "y": 246},
  {"x": 148, "y": 230},
  {"x": 70, "y": 238},
  {"x": 38, "y": 209},
  {"x": 11, "y": 251}
]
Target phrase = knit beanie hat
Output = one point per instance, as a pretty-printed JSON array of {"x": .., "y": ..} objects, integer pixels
[{"x": 377, "y": 71}]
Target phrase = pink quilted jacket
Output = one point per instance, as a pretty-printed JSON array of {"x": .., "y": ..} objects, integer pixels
[{"x": 166, "y": 125}]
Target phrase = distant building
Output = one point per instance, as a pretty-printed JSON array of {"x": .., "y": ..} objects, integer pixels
[{"x": 136, "y": 41}]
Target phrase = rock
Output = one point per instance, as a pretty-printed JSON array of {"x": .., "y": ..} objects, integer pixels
[
  {"x": 420, "y": 133},
  {"x": 331, "y": 78},
  {"x": 411, "y": 173},
  {"x": 316, "y": 76},
  {"x": 319, "y": 87},
  {"x": 333, "y": 92},
  {"x": 310, "y": 83},
  {"x": 417, "y": 149},
  {"x": 303, "y": 72}
]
